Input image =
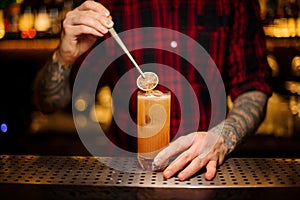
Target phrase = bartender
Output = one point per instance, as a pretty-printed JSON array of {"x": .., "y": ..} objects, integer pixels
[{"x": 231, "y": 33}]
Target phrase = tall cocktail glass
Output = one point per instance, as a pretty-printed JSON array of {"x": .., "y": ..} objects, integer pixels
[{"x": 153, "y": 120}]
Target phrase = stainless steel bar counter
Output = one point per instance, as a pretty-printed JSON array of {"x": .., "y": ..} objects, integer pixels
[{"x": 87, "y": 177}]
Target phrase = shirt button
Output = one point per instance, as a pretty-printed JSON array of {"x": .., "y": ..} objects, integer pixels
[{"x": 173, "y": 44}]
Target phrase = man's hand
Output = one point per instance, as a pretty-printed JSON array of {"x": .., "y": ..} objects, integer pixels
[
  {"x": 198, "y": 149},
  {"x": 209, "y": 149},
  {"x": 81, "y": 27}
]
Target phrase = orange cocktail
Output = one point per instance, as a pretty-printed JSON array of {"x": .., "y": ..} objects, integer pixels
[{"x": 153, "y": 121}]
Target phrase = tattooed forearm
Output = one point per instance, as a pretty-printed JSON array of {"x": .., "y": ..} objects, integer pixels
[
  {"x": 246, "y": 114},
  {"x": 52, "y": 90}
]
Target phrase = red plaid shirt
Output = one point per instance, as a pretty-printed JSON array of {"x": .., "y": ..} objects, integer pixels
[{"x": 229, "y": 30}]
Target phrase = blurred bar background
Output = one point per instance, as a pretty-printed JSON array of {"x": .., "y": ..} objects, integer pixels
[{"x": 29, "y": 32}]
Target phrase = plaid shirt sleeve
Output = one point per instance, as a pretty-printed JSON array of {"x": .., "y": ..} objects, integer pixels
[{"x": 247, "y": 67}]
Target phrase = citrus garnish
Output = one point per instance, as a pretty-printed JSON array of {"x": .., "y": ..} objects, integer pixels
[{"x": 147, "y": 83}]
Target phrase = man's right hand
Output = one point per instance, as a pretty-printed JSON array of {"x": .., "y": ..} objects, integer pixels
[{"x": 81, "y": 27}]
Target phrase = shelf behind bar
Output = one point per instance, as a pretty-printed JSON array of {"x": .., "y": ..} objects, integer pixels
[
  {"x": 33, "y": 44},
  {"x": 272, "y": 42},
  {"x": 50, "y": 44}
]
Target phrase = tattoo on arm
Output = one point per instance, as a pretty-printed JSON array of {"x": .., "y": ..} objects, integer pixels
[
  {"x": 246, "y": 114},
  {"x": 52, "y": 89}
]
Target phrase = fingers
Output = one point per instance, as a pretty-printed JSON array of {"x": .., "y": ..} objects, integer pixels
[
  {"x": 97, "y": 11},
  {"x": 85, "y": 23},
  {"x": 196, "y": 164},
  {"x": 175, "y": 147},
  {"x": 89, "y": 18},
  {"x": 179, "y": 163},
  {"x": 204, "y": 150},
  {"x": 190, "y": 154},
  {"x": 96, "y": 7},
  {"x": 211, "y": 170}
]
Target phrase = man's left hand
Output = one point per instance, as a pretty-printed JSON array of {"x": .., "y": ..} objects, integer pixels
[{"x": 197, "y": 150}]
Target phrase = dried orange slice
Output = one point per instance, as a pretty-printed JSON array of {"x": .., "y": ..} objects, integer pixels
[{"x": 147, "y": 83}]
